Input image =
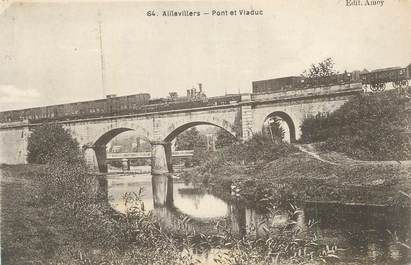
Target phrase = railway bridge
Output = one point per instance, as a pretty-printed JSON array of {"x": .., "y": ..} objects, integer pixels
[
  {"x": 241, "y": 119},
  {"x": 147, "y": 155}
]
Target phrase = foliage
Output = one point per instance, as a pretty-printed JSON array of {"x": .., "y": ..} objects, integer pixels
[
  {"x": 79, "y": 228},
  {"x": 315, "y": 128},
  {"x": 369, "y": 127},
  {"x": 130, "y": 142},
  {"x": 224, "y": 139},
  {"x": 136, "y": 237},
  {"x": 324, "y": 68},
  {"x": 173, "y": 95},
  {"x": 190, "y": 139},
  {"x": 260, "y": 149},
  {"x": 198, "y": 156},
  {"x": 274, "y": 130},
  {"x": 66, "y": 181},
  {"x": 51, "y": 140},
  {"x": 115, "y": 163}
]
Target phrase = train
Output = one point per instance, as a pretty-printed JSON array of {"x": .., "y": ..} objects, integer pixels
[
  {"x": 375, "y": 80},
  {"x": 114, "y": 105},
  {"x": 143, "y": 103},
  {"x": 94, "y": 108}
]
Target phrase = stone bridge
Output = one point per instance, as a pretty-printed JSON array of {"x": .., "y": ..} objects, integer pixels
[
  {"x": 241, "y": 119},
  {"x": 147, "y": 155}
]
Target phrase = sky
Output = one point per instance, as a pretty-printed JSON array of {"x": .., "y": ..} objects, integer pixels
[{"x": 50, "y": 52}]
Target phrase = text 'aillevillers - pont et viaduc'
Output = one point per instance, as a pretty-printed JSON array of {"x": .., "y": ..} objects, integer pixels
[{"x": 213, "y": 12}]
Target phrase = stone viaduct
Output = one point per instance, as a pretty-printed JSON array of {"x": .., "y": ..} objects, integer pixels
[{"x": 242, "y": 119}]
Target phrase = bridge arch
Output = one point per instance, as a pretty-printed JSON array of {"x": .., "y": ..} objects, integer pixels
[
  {"x": 97, "y": 159},
  {"x": 170, "y": 134},
  {"x": 109, "y": 135},
  {"x": 287, "y": 120},
  {"x": 174, "y": 133}
]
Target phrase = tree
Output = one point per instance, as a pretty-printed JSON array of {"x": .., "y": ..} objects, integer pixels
[
  {"x": 224, "y": 139},
  {"x": 368, "y": 127},
  {"x": 324, "y": 68},
  {"x": 50, "y": 141},
  {"x": 173, "y": 95},
  {"x": 274, "y": 129},
  {"x": 190, "y": 139}
]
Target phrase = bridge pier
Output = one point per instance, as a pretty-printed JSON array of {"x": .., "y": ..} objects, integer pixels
[
  {"x": 95, "y": 157},
  {"x": 158, "y": 158},
  {"x": 162, "y": 190},
  {"x": 125, "y": 164},
  {"x": 101, "y": 155},
  {"x": 246, "y": 118},
  {"x": 90, "y": 158},
  {"x": 168, "y": 151}
]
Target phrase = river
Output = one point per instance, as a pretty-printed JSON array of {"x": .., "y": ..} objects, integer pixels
[{"x": 363, "y": 235}]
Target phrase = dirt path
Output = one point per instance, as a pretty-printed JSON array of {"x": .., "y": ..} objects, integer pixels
[
  {"x": 314, "y": 154},
  {"x": 335, "y": 158}
]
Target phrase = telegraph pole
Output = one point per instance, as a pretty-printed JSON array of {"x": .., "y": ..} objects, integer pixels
[{"x": 103, "y": 83}]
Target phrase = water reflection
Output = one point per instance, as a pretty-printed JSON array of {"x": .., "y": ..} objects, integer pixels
[
  {"x": 368, "y": 235},
  {"x": 371, "y": 234}
]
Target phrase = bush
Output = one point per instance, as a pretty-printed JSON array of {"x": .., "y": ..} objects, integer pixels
[
  {"x": 224, "y": 139},
  {"x": 369, "y": 127},
  {"x": 315, "y": 128},
  {"x": 261, "y": 148},
  {"x": 258, "y": 150},
  {"x": 51, "y": 140},
  {"x": 69, "y": 182}
]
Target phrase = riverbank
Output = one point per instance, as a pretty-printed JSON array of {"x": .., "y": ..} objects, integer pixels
[
  {"x": 36, "y": 231},
  {"x": 301, "y": 176},
  {"x": 75, "y": 228}
]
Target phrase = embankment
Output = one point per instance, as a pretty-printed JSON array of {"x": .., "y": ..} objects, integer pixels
[{"x": 301, "y": 176}]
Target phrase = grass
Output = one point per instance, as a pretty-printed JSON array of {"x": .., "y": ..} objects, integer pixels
[
  {"x": 41, "y": 227},
  {"x": 37, "y": 232},
  {"x": 297, "y": 177},
  {"x": 23, "y": 229}
]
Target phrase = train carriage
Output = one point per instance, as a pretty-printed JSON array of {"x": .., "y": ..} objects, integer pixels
[
  {"x": 17, "y": 115},
  {"x": 355, "y": 76},
  {"x": 69, "y": 110},
  {"x": 101, "y": 107},
  {"x": 377, "y": 79},
  {"x": 50, "y": 112},
  {"x": 96, "y": 108},
  {"x": 59, "y": 111},
  {"x": 384, "y": 75},
  {"x": 116, "y": 102},
  {"x": 275, "y": 85},
  {"x": 35, "y": 114},
  {"x": 12, "y": 116},
  {"x": 3, "y": 118}
]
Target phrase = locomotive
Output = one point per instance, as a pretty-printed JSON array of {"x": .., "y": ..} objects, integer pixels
[{"x": 375, "y": 80}]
